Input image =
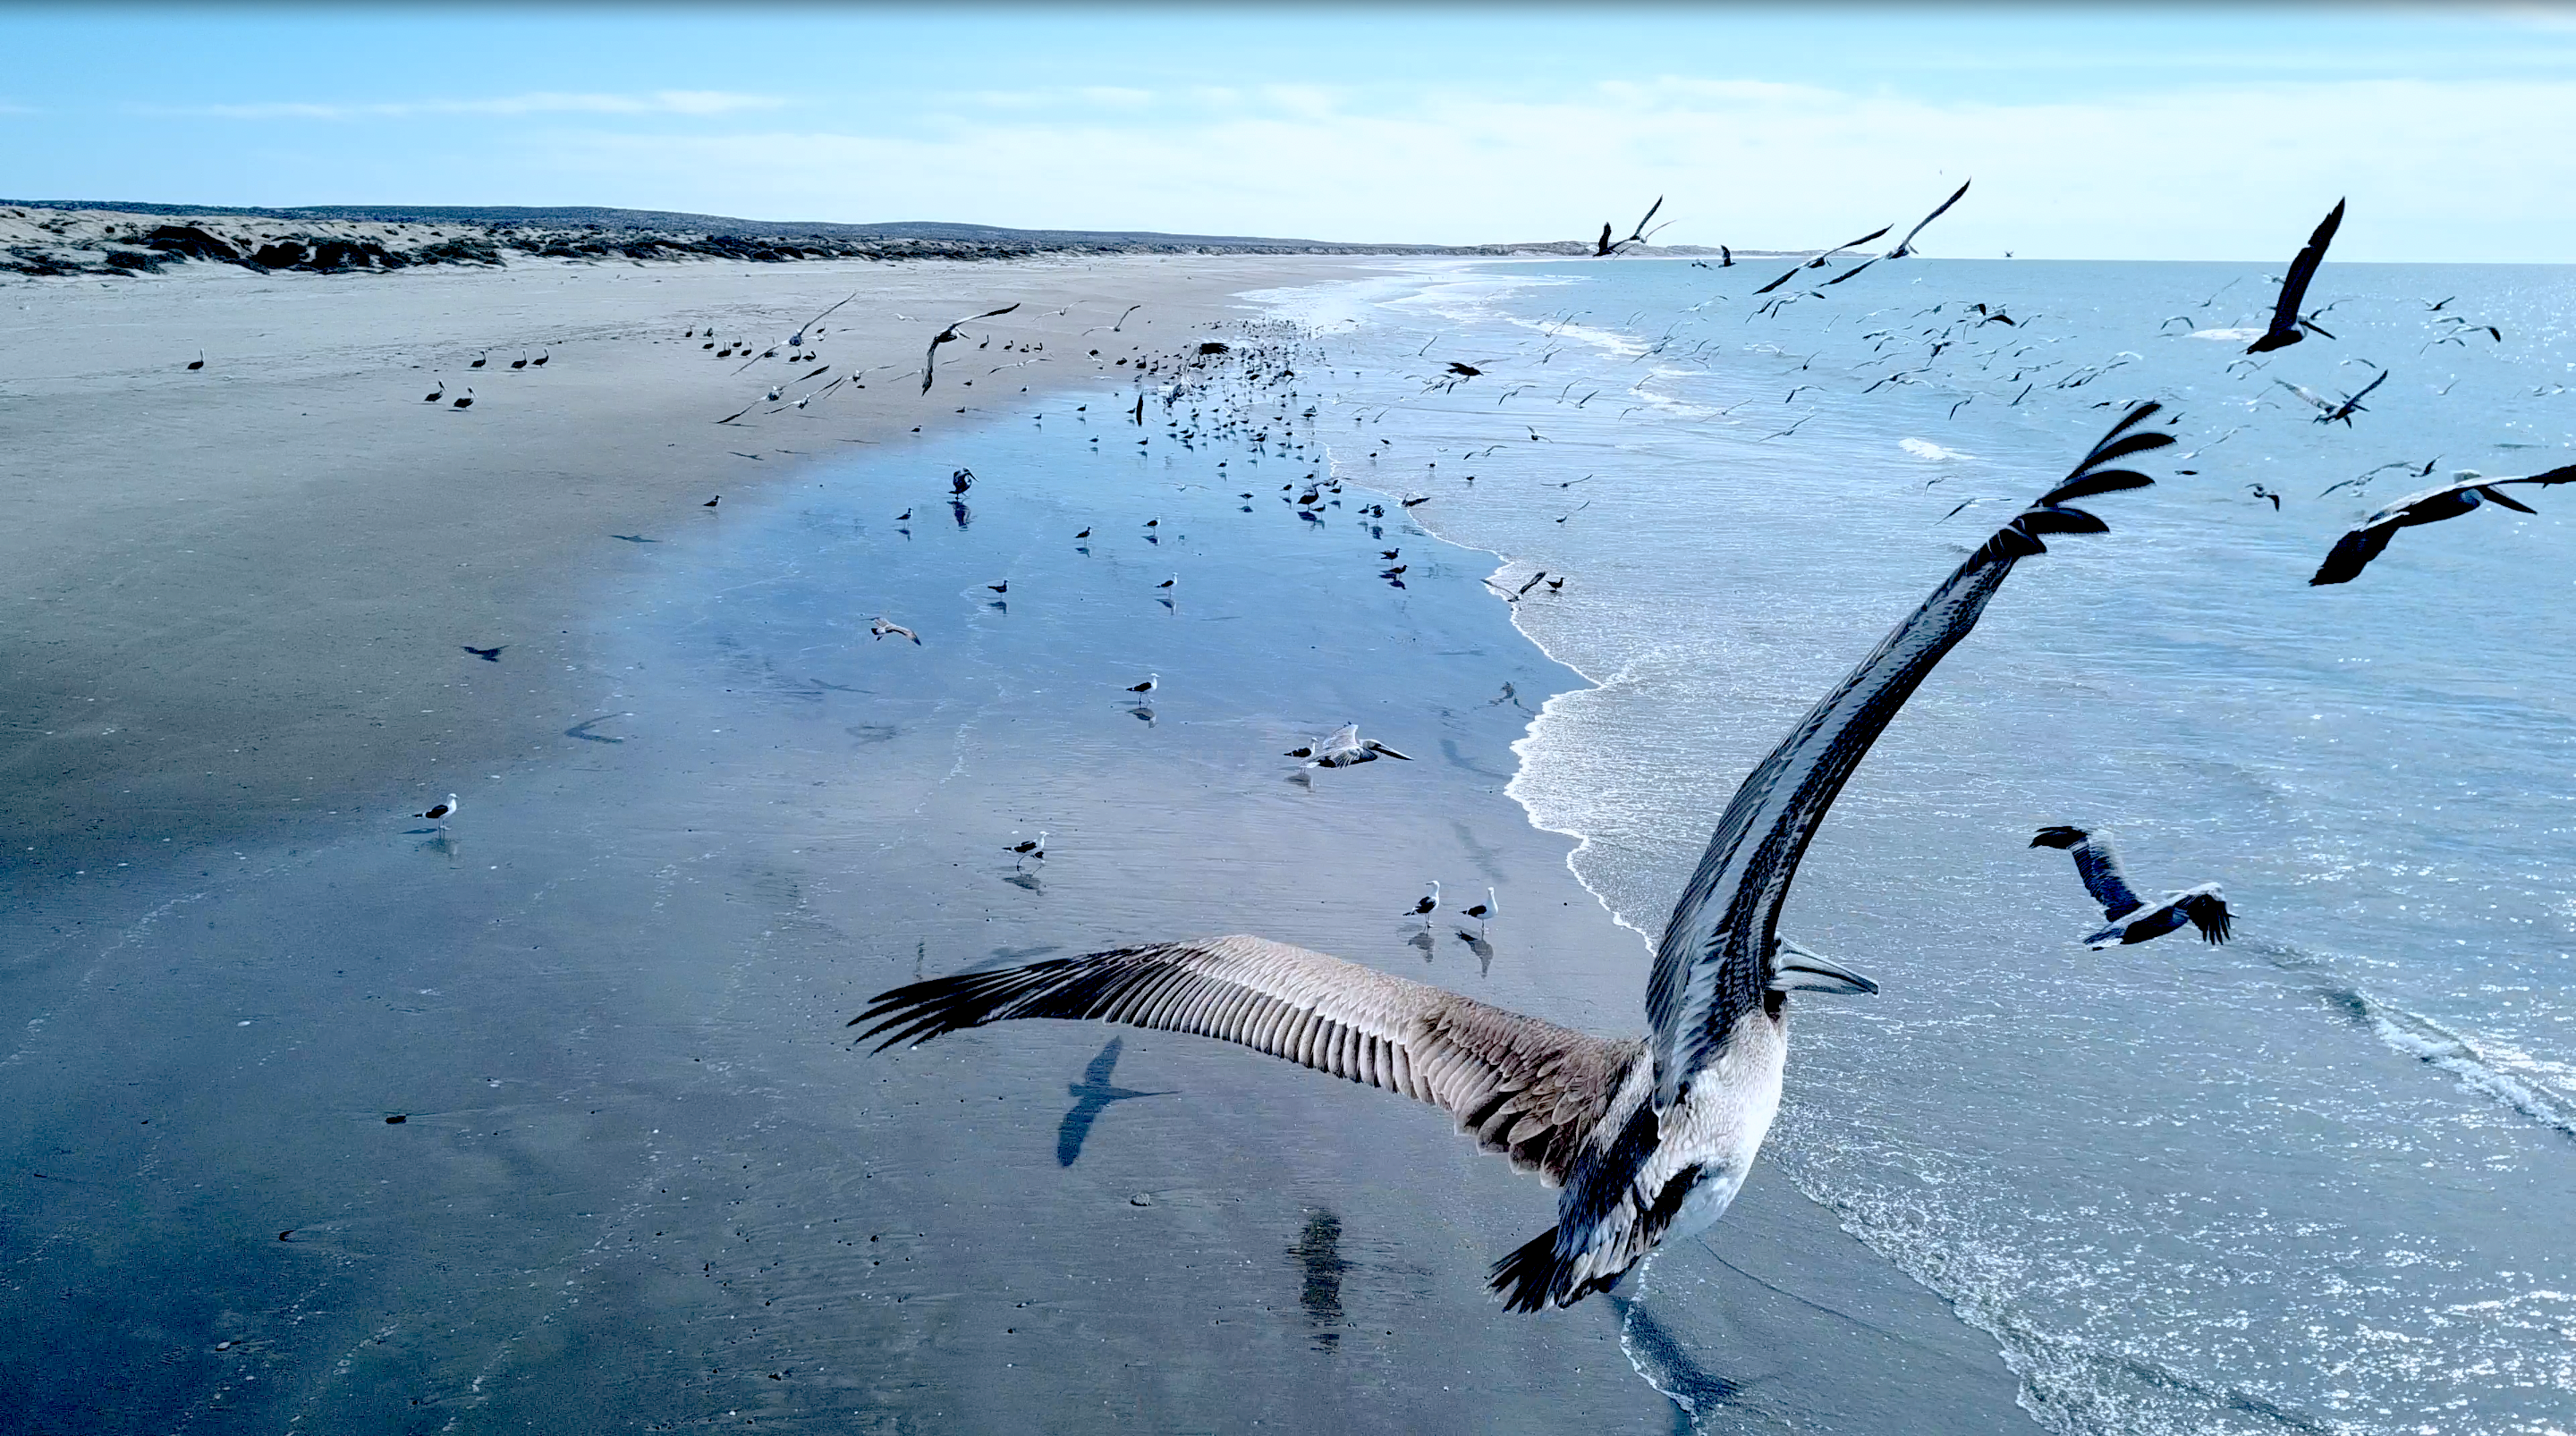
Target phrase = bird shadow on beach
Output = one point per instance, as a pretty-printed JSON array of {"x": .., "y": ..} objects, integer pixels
[
  {"x": 1697, "y": 1394},
  {"x": 1092, "y": 1096}
]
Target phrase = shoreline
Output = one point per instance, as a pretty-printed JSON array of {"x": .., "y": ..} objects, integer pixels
[{"x": 291, "y": 530}]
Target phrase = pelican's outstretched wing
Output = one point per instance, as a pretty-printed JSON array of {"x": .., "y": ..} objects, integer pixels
[
  {"x": 2368, "y": 539},
  {"x": 1714, "y": 963},
  {"x": 1521, "y": 1087},
  {"x": 2294, "y": 285},
  {"x": 2098, "y": 865},
  {"x": 2207, "y": 910}
]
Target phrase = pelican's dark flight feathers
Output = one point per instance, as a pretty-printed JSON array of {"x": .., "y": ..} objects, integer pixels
[
  {"x": 2128, "y": 917},
  {"x": 2286, "y": 321},
  {"x": 1648, "y": 1137},
  {"x": 2368, "y": 539}
]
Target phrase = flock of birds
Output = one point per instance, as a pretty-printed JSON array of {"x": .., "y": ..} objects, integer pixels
[{"x": 1648, "y": 1138}]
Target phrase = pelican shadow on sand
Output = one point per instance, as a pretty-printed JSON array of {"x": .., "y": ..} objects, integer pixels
[{"x": 1091, "y": 1097}]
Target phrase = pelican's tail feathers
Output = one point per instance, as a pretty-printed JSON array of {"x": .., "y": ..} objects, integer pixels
[{"x": 1535, "y": 1277}]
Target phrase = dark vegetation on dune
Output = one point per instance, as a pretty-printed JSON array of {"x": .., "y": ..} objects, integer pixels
[{"x": 299, "y": 239}]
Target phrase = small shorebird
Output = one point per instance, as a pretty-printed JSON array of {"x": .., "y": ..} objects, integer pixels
[
  {"x": 2287, "y": 323},
  {"x": 2129, "y": 918},
  {"x": 881, "y": 628},
  {"x": 439, "y": 813},
  {"x": 1152, "y": 681},
  {"x": 1648, "y": 1137},
  {"x": 1427, "y": 904},
  {"x": 2369, "y": 539},
  {"x": 1344, "y": 748}
]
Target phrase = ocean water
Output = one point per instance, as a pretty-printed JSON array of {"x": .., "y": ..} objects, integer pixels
[{"x": 2320, "y": 1179}]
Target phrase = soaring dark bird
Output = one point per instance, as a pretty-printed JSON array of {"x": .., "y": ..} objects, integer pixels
[
  {"x": 1649, "y": 1137},
  {"x": 930, "y": 357},
  {"x": 2287, "y": 322},
  {"x": 1604, "y": 248},
  {"x": 2129, "y": 918},
  {"x": 488, "y": 655},
  {"x": 1904, "y": 246},
  {"x": 1817, "y": 259},
  {"x": 2368, "y": 539}
]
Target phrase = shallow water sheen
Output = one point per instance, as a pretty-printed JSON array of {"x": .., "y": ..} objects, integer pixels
[{"x": 2314, "y": 1180}]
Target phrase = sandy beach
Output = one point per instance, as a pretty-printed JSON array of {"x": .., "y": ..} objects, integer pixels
[
  {"x": 638, "y": 1167},
  {"x": 244, "y": 591}
]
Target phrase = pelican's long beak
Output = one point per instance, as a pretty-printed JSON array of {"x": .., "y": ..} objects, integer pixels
[{"x": 1799, "y": 969}]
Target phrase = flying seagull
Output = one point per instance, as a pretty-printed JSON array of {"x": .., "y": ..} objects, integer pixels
[
  {"x": 881, "y": 628},
  {"x": 1817, "y": 260},
  {"x": 2286, "y": 319},
  {"x": 1904, "y": 246},
  {"x": 2129, "y": 918},
  {"x": 1344, "y": 748},
  {"x": 2329, "y": 410},
  {"x": 1648, "y": 1137},
  {"x": 2368, "y": 539},
  {"x": 930, "y": 357}
]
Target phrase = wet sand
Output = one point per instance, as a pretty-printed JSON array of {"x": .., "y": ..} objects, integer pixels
[{"x": 643, "y": 1177}]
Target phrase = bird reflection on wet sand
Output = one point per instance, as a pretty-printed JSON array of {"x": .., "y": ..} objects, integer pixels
[
  {"x": 1319, "y": 1256},
  {"x": 1484, "y": 952},
  {"x": 1092, "y": 1095}
]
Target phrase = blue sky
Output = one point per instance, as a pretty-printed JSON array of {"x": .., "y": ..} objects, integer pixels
[{"x": 2186, "y": 133}]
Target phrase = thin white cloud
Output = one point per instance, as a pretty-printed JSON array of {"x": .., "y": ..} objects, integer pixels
[{"x": 658, "y": 102}]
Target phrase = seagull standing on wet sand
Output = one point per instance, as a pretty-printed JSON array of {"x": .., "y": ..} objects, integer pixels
[
  {"x": 1152, "y": 681},
  {"x": 439, "y": 813},
  {"x": 1648, "y": 1137},
  {"x": 2129, "y": 918},
  {"x": 1483, "y": 912},
  {"x": 1427, "y": 904},
  {"x": 1029, "y": 848}
]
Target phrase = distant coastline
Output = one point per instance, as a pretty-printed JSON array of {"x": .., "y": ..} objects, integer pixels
[{"x": 58, "y": 238}]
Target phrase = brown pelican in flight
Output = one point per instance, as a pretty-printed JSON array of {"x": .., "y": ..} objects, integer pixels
[
  {"x": 2368, "y": 539},
  {"x": 2329, "y": 410},
  {"x": 1648, "y": 1137},
  {"x": 2287, "y": 322},
  {"x": 2129, "y": 918},
  {"x": 1344, "y": 748},
  {"x": 1905, "y": 246},
  {"x": 930, "y": 357}
]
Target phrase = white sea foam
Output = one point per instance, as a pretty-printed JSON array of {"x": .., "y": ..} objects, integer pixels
[
  {"x": 1926, "y": 449},
  {"x": 2227, "y": 336}
]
